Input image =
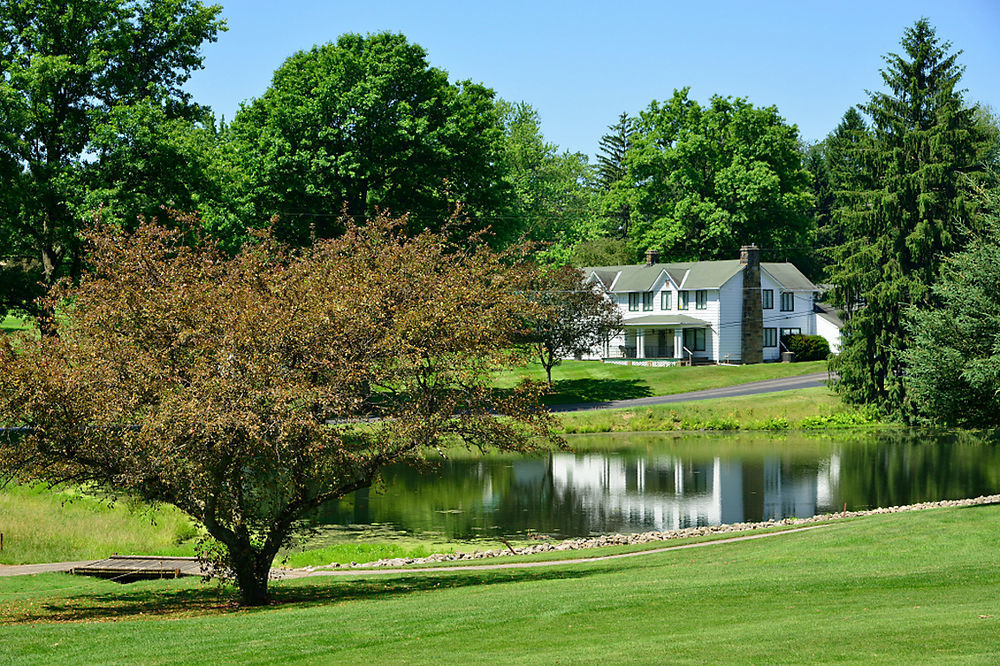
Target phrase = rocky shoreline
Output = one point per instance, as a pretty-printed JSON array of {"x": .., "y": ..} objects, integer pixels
[{"x": 651, "y": 537}]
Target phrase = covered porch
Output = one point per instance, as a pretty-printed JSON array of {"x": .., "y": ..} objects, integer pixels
[{"x": 661, "y": 338}]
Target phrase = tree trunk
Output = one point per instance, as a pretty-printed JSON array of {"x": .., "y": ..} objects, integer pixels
[
  {"x": 47, "y": 315},
  {"x": 252, "y": 570}
]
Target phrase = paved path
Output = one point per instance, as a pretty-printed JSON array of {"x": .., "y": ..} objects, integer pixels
[
  {"x": 750, "y": 388},
  {"x": 49, "y": 567},
  {"x": 302, "y": 573},
  {"x": 283, "y": 574}
]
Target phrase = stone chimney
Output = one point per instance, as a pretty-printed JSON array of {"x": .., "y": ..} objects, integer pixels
[
  {"x": 652, "y": 257},
  {"x": 752, "y": 343},
  {"x": 750, "y": 254}
]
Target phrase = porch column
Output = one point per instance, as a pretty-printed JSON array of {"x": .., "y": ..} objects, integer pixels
[
  {"x": 678, "y": 343},
  {"x": 640, "y": 343}
]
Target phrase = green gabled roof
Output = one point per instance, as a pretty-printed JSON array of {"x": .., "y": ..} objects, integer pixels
[
  {"x": 665, "y": 320},
  {"x": 711, "y": 274},
  {"x": 691, "y": 275},
  {"x": 789, "y": 276}
]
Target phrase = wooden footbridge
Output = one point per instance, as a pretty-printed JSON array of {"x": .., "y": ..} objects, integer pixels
[{"x": 129, "y": 568}]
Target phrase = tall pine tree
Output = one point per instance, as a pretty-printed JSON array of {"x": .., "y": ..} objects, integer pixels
[
  {"x": 612, "y": 172},
  {"x": 908, "y": 211}
]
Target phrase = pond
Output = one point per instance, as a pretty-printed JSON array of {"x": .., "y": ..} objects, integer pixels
[{"x": 638, "y": 482}]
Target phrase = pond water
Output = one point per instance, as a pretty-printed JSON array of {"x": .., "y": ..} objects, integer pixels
[{"x": 661, "y": 481}]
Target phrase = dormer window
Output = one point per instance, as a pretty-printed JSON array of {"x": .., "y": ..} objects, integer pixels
[
  {"x": 665, "y": 300},
  {"x": 647, "y": 301},
  {"x": 633, "y": 302}
]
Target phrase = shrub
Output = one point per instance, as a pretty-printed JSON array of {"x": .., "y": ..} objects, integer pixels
[
  {"x": 807, "y": 347},
  {"x": 775, "y": 423},
  {"x": 839, "y": 420}
]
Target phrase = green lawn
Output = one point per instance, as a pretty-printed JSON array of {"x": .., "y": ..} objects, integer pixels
[
  {"x": 896, "y": 588},
  {"x": 811, "y": 408},
  {"x": 10, "y": 323},
  {"x": 593, "y": 381}
]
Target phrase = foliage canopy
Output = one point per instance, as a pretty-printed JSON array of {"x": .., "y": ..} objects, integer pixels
[
  {"x": 573, "y": 317},
  {"x": 953, "y": 361},
  {"x": 248, "y": 391},
  {"x": 908, "y": 209},
  {"x": 70, "y": 73},
  {"x": 361, "y": 125},
  {"x": 706, "y": 180}
]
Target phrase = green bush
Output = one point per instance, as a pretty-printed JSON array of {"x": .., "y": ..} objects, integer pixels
[
  {"x": 775, "y": 423},
  {"x": 839, "y": 420},
  {"x": 807, "y": 347}
]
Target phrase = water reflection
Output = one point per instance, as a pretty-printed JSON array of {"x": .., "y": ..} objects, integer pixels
[{"x": 629, "y": 483}]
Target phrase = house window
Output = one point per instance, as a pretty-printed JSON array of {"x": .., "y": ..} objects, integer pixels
[
  {"x": 682, "y": 299},
  {"x": 770, "y": 337},
  {"x": 633, "y": 302},
  {"x": 767, "y": 298},
  {"x": 701, "y": 299},
  {"x": 787, "y": 301},
  {"x": 647, "y": 301},
  {"x": 694, "y": 339},
  {"x": 785, "y": 332},
  {"x": 665, "y": 300}
]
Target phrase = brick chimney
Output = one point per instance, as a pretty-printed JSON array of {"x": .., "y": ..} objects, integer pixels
[
  {"x": 652, "y": 257},
  {"x": 752, "y": 343}
]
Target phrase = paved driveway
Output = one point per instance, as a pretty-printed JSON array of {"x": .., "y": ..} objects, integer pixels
[{"x": 750, "y": 388}]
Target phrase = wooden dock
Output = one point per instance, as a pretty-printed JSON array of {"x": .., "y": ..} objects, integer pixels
[{"x": 130, "y": 568}]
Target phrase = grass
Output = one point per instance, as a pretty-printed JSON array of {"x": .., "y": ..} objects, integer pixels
[
  {"x": 894, "y": 588},
  {"x": 811, "y": 408},
  {"x": 40, "y": 525},
  {"x": 593, "y": 381},
  {"x": 10, "y": 323}
]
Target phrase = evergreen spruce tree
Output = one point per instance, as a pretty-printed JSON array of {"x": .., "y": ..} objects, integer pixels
[
  {"x": 611, "y": 173},
  {"x": 845, "y": 173},
  {"x": 908, "y": 211}
]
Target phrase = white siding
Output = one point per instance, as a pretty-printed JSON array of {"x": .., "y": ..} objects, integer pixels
[
  {"x": 730, "y": 324},
  {"x": 801, "y": 317},
  {"x": 830, "y": 331}
]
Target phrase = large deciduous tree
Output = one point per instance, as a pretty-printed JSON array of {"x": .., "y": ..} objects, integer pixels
[
  {"x": 248, "y": 391},
  {"x": 708, "y": 179},
  {"x": 550, "y": 201},
  {"x": 366, "y": 124},
  {"x": 67, "y": 69},
  {"x": 573, "y": 317},
  {"x": 908, "y": 211}
]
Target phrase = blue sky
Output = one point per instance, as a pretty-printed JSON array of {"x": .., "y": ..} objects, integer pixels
[{"x": 581, "y": 64}]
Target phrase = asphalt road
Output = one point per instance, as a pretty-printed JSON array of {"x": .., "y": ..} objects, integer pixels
[{"x": 750, "y": 388}]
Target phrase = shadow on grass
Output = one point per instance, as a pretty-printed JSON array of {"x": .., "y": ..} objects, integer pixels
[
  {"x": 152, "y": 601},
  {"x": 566, "y": 391}
]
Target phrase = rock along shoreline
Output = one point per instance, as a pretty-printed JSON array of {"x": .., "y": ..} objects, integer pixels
[{"x": 651, "y": 537}]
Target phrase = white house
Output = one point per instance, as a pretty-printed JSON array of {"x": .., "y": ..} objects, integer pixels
[{"x": 733, "y": 311}]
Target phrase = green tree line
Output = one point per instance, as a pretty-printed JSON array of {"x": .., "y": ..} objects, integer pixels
[{"x": 98, "y": 129}]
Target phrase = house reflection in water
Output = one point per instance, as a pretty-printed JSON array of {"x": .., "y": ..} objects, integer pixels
[{"x": 668, "y": 492}]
